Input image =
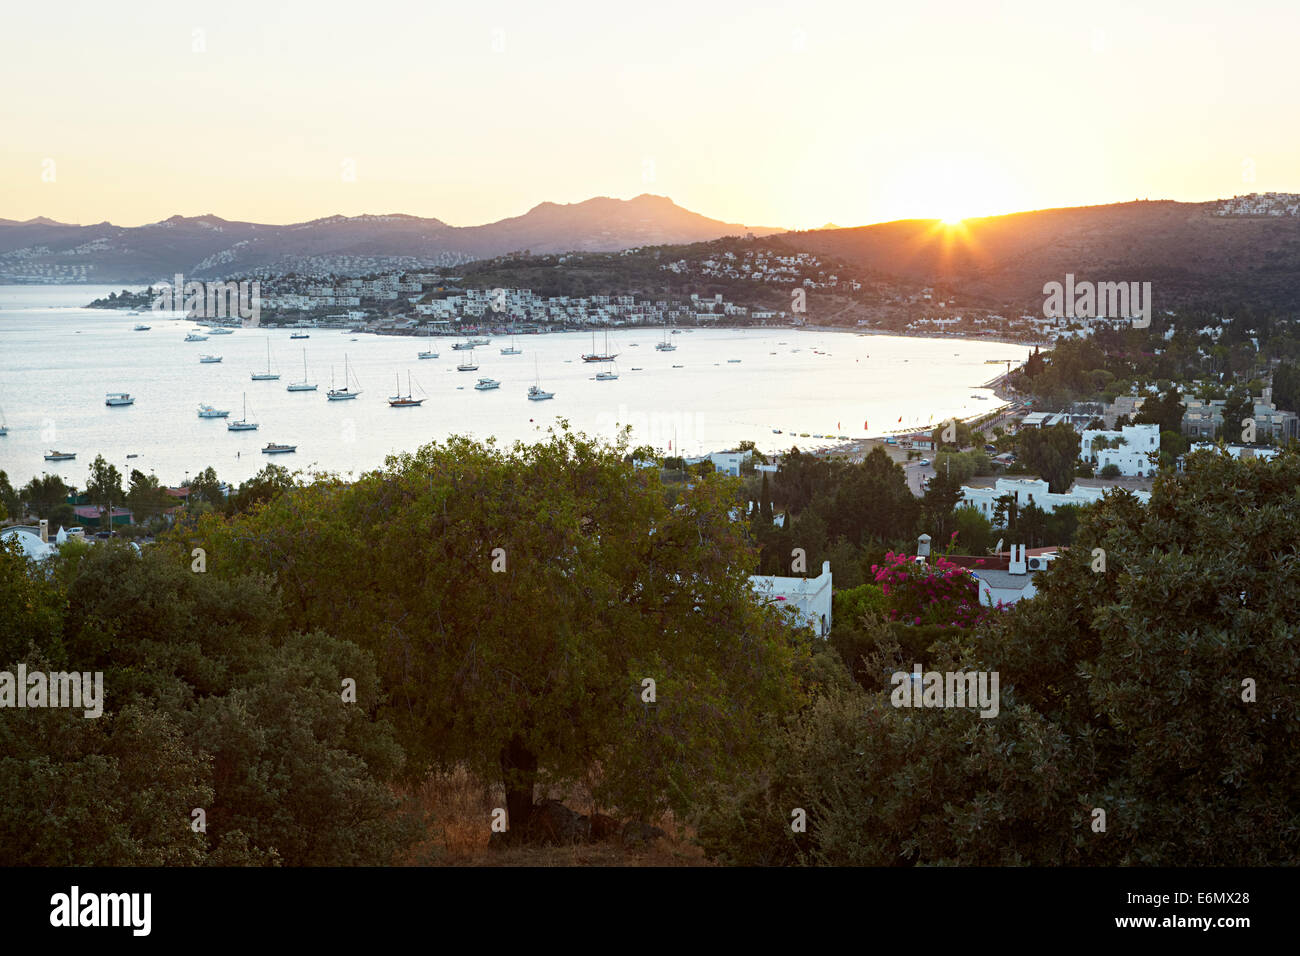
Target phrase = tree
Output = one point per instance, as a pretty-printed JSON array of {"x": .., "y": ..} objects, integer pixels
[
  {"x": 1166, "y": 411},
  {"x": 1286, "y": 386},
  {"x": 1109, "y": 471},
  {"x": 974, "y": 531},
  {"x": 516, "y": 601},
  {"x": 941, "y": 497},
  {"x": 1095, "y": 711},
  {"x": 206, "y": 487},
  {"x": 272, "y": 480},
  {"x": 11, "y": 505},
  {"x": 1237, "y": 408},
  {"x": 145, "y": 496},
  {"x": 1052, "y": 452},
  {"x": 105, "y": 488},
  {"x": 764, "y": 502},
  {"x": 42, "y": 494}
]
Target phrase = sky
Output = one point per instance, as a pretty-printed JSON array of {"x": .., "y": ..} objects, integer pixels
[{"x": 766, "y": 114}]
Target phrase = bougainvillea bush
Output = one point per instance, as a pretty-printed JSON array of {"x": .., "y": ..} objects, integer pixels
[{"x": 940, "y": 593}]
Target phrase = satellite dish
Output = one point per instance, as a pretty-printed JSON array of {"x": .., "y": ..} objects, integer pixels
[{"x": 998, "y": 549}]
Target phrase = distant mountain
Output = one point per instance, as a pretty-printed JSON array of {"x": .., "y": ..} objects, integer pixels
[
  {"x": 1185, "y": 250},
  {"x": 209, "y": 246}
]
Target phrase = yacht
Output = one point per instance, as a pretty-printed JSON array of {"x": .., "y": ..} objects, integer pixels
[
  {"x": 476, "y": 342},
  {"x": 141, "y": 328},
  {"x": 118, "y": 398},
  {"x": 606, "y": 376},
  {"x": 4, "y": 426},
  {"x": 665, "y": 345},
  {"x": 535, "y": 392},
  {"x": 340, "y": 394},
  {"x": 429, "y": 353},
  {"x": 268, "y": 375},
  {"x": 300, "y": 335},
  {"x": 404, "y": 401},
  {"x": 209, "y": 359},
  {"x": 594, "y": 356},
  {"x": 243, "y": 425},
  {"x": 195, "y": 337},
  {"x": 61, "y": 456},
  {"x": 468, "y": 365},
  {"x": 273, "y": 449},
  {"x": 510, "y": 349},
  {"x": 304, "y": 385},
  {"x": 217, "y": 330},
  {"x": 207, "y": 411},
  {"x": 487, "y": 384}
]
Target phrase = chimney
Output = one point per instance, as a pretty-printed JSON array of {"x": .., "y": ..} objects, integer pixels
[
  {"x": 45, "y": 531},
  {"x": 1018, "y": 563},
  {"x": 923, "y": 546}
]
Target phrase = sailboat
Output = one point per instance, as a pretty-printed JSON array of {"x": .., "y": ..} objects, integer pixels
[
  {"x": 510, "y": 349},
  {"x": 468, "y": 365},
  {"x": 665, "y": 345},
  {"x": 404, "y": 401},
  {"x": 268, "y": 375},
  {"x": 609, "y": 375},
  {"x": 429, "y": 353},
  {"x": 339, "y": 394},
  {"x": 243, "y": 424},
  {"x": 535, "y": 393},
  {"x": 304, "y": 385},
  {"x": 594, "y": 356},
  {"x": 4, "y": 426}
]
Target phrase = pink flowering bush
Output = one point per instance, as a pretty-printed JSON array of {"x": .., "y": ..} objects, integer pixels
[{"x": 939, "y": 593}]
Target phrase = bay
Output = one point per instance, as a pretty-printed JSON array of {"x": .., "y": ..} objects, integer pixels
[{"x": 58, "y": 360}]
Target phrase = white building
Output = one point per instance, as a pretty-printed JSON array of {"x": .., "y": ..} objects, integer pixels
[
  {"x": 35, "y": 543},
  {"x": 1026, "y": 490},
  {"x": 1238, "y": 451},
  {"x": 1132, "y": 457},
  {"x": 1009, "y": 586},
  {"x": 810, "y": 597}
]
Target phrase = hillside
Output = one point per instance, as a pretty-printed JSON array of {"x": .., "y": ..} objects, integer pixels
[
  {"x": 209, "y": 246},
  {"x": 1186, "y": 252}
]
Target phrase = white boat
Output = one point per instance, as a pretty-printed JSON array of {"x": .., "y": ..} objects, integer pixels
[
  {"x": 429, "y": 353},
  {"x": 487, "y": 384},
  {"x": 195, "y": 337},
  {"x": 215, "y": 330},
  {"x": 141, "y": 328},
  {"x": 468, "y": 365},
  {"x": 118, "y": 398},
  {"x": 207, "y": 411},
  {"x": 606, "y": 376},
  {"x": 4, "y": 426},
  {"x": 243, "y": 424},
  {"x": 341, "y": 394},
  {"x": 733, "y": 361},
  {"x": 209, "y": 359},
  {"x": 60, "y": 456},
  {"x": 273, "y": 449},
  {"x": 404, "y": 401},
  {"x": 535, "y": 392},
  {"x": 268, "y": 375},
  {"x": 476, "y": 342},
  {"x": 510, "y": 349},
  {"x": 300, "y": 335},
  {"x": 304, "y": 385}
]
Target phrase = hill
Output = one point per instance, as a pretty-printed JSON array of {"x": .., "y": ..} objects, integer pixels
[{"x": 209, "y": 246}]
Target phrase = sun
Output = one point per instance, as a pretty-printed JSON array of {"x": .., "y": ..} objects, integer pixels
[{"x": 951, "y": 220}]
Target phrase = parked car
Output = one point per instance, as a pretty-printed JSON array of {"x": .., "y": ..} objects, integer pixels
[
  {"x": 990, "y": 448},
  {"x": 925, "y": 461}
]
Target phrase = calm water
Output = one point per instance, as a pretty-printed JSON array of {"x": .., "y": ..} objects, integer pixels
[{"x": 58, "y": 360}]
